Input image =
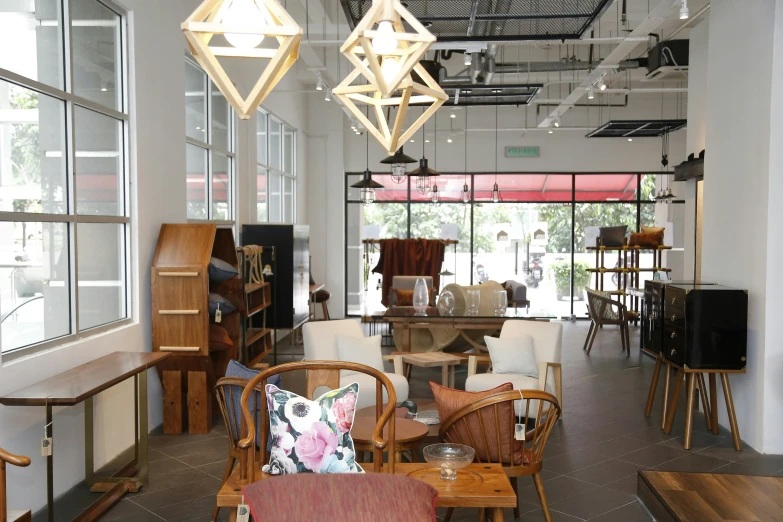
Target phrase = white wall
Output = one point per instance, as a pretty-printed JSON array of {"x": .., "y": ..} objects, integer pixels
[
  {"x": 157, "y": 84},
  {"x": 740, "y": 233}
]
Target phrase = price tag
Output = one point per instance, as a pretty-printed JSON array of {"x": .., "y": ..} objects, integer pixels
[
  {"x": 46, "y": 442},
  {"x": 218, "y": 314},
  {"x": 243, "y": 512},
  {"x": 519, "y": 432}
]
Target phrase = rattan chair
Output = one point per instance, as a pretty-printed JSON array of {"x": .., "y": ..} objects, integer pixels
[
  {"x": 468, "y": 426},
  {"x": 319, "y": 373},
  {"x": 606, "y": 311}
]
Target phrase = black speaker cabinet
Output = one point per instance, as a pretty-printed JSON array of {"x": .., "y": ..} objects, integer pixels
[
  {"x": 652, "y": 316},
  {"x": 705, "y": 326},
  {"x": 291, "y": 270}
]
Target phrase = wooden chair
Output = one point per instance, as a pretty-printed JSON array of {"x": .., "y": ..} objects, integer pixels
[
  {"x": 604, "y": 310},
  {"x": 7, "y": 515},
  {"x": 319, "y": 373},
  {"x": 467, "y": 426}
]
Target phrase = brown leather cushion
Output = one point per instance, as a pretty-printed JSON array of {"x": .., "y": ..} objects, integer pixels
[
  {"x": 219, "y": 339},
  {"x": 450, "y": 401},
  {"x": 646, "y": 239},
  {"x": 652, "y": 229},
  {"x": 342, "y": 497},
  {"x": 404, "y": 297}
]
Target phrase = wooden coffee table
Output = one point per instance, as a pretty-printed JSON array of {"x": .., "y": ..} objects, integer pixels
[
  {"x": 431, "y": 359},
  {"x": 407, "y": 433}
]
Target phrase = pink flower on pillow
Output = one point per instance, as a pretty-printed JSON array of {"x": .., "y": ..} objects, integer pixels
[
  {"x": 315, "y": 445},
  {"x": 343, "y": 410}
]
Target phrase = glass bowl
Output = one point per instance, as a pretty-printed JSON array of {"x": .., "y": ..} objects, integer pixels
[{"x": 449, "y": 458}]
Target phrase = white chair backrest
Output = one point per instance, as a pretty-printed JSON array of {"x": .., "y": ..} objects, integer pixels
[
  {"x": 547, "y": 337},
  {"x": 320, "y": 338},
  {"x": 409, "y": 282}
]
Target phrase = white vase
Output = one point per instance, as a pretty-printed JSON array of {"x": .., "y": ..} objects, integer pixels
[{"x": 421, "y": 296}]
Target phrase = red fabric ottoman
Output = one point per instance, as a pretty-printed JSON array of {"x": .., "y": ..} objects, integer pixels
[{"x": 350, "y": 497}]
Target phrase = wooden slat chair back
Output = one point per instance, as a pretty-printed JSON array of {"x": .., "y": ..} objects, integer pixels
[
  {"x": 319, "y": 373},
  {"x": 606, "y": 311},
  {"x": 468, "y": 426},
  {"x": 7, "y": 515}
]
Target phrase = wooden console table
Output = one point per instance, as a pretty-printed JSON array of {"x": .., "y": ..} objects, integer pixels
[{"x": 79, "y": 385}]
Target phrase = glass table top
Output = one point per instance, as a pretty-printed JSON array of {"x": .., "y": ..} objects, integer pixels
[{"x": 463, "y": 313}]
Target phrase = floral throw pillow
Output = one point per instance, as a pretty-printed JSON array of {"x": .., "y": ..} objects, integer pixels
[{"x": 311, "y": 436}]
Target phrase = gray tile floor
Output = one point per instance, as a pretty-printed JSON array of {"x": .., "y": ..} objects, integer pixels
[{"x": 591, "y": 461}]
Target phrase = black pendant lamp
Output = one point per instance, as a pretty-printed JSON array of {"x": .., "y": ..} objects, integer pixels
[
  {"x": 495, "y": 190},
  {"x": 399, "y": 167},
  {"x": 424, "y": 172},
  {"x": 367, "y": 185}
]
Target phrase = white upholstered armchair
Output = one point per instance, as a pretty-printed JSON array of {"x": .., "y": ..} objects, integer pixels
[
  {"x": 547, "y": 345},
  {"x": 320, "y": 344}
]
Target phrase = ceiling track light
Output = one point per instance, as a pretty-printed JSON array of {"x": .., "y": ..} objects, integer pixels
[
  {"x": 600, "y": 84},
  {"x": 590, "y": 93},
  {"x": 468, "y": 59},
  {"x": 557, "y": 121},
  {"x": 684, "y": 12},
  {"x": 328, "y": 95}
]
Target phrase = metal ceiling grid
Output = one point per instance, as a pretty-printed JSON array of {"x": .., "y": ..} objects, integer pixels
[
  {"x": 490, "y": 95},
  {"x": 495, "y": 20},
  {"x": 636, "y": 128}
]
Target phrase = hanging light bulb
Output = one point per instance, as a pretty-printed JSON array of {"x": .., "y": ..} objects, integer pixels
[
  {"x": 465, "y": 193},
  {"x": 389, "y": 68},
  {"x": 468, "y": 59},
  {"x": 495, "y": 194},
  {"x": 423, "y": 185},
  {"x": 434, "y": 196},
  {"x": 384, "y": 43},
  {"x": 244, "y": 12},
  {"x": 684, "y": 13},
  {"x": 590, "y": 93},
  {"x": 367, "y": 188}
]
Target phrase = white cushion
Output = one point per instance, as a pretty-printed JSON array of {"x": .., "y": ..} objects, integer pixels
[
  {"x": 364, "y": 350},
  {"x": 513, "y": 355},
  {"x": 367, "y": 388}
]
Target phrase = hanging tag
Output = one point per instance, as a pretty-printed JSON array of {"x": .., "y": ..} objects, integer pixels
[
  {"x": 243, "y": 511},
  {"x": 519, "y": 432},
  {"x": 218, "y": 314},
  {"x": 46, "y": 443}
]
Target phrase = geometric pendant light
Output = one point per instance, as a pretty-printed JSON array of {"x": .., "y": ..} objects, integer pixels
[
  {"x": 244, "y": 24},
  {"x": 390, "y": 133},
  {"x": 380, "y": 48}
]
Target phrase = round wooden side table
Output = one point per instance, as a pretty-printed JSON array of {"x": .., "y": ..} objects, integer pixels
[{"x": 407, "y": 434}]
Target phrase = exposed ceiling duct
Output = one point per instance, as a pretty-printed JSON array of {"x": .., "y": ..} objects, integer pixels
[{"x": 530, "y": 67}]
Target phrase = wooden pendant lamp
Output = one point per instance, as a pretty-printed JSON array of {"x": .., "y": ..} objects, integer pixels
[
  {"x": 382, "y": 50},
  {"x": 390, "y": 134},
  {"x": 244, "y": 23}
]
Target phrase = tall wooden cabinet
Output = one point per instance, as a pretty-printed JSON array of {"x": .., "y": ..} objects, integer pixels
[
  {"x": 181, "y": 320},
  {"x": 287, "y": 249}
]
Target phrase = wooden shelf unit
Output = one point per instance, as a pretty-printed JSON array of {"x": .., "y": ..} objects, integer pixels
[
  {"x": 256, "y": 337},
  {"x": 181, "y": 320}
]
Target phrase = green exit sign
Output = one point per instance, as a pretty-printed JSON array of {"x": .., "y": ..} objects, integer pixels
[{"x": 523, "y": 152}]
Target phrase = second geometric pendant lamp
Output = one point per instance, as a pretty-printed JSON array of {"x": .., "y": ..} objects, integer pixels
[{"x": 244, "y": 24}]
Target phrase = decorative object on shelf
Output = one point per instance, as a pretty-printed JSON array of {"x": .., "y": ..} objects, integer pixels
[
  {"x": 381, "y": 49},
  {"x": 421, "y": 296},
  {"x": 398, "y": 162},
  {"x": 612, "y": 236},
  {"x": 424, "y": 172},
  {"x": 390, "y": 134},
  {"x": 449, "y": 458},
  {"x": 366, "y": 185},
  {"x": 244, "y": 24}
]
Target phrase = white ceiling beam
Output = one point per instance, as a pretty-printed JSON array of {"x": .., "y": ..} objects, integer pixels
[{"x": 653, "y": 21}]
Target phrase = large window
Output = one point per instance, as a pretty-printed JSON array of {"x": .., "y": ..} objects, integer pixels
[
  {"x": 64, "y": 200},
  {"x": 209, "y": 152},
  {"x": 536, "y": 234},
  {"x": 276, "y": 170}
]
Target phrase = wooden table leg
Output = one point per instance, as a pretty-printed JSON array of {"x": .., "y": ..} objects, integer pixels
[
  {"x": 406, "y": 338},
  {"x": 678, "y": 378},
  {"x": 666, "y": 387},
  {"x": 444, "y": 376},
  {"x": 497, "y": 514},
  {"x": 452, "y": 376},
  {"x": 704, "y": 403},
  {"x": 714, "y": 404},
  {"x": 653, "y": 387},
  {"x": 232, "y": 515},
  {"x": 735, "y": 436},
  {"x": 690, "y": 379}
]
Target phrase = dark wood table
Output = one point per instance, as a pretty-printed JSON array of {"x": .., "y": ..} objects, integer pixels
[
  {"x": 82, "y": 384},
  {"x": 407, "y": 433}
]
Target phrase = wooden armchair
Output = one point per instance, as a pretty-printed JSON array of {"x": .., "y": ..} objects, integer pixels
[
  {"x": 7, "y": 515},
  {"x": 488, "y": 425},
  {"x": 604, "y": 310},
  {"x": 319, "y": 373}
]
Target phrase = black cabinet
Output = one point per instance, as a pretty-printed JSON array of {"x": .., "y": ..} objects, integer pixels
[
  {"x": 290, "y": 280},
  {"x": 652, "y": 312},
  {"x": 705, "y": 326}
]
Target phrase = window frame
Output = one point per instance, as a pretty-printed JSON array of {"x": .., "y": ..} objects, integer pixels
[
  {"x": 281, "y": 171},
  {"x": 71, "y": 218},
  {"x": 210, "y": 149}
]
